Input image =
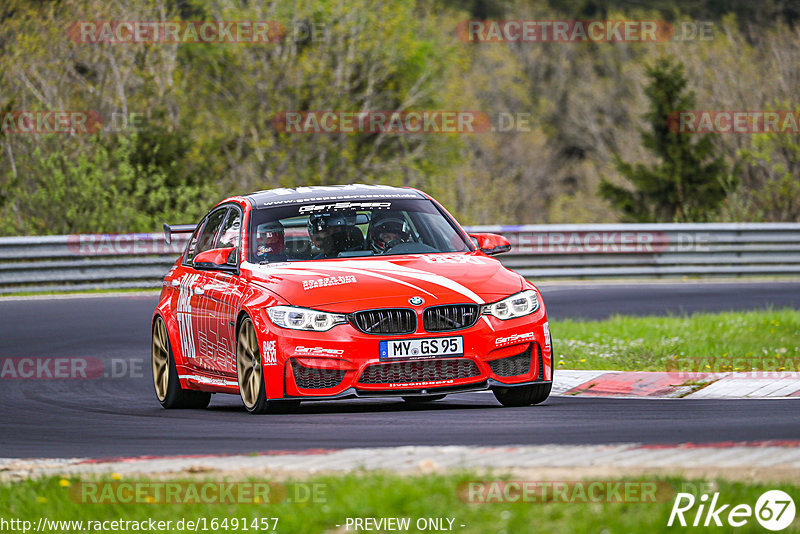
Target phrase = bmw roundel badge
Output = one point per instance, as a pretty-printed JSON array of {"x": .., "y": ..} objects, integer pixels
[{"x": 416, "y": 301}]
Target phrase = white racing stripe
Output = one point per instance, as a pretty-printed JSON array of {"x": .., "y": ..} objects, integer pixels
[
  {"x": 376, "y": 267},
  {"x": 427, "y": 276},
  {"x": 336, "y": 268},
  {"x": 442, "y": 281},
  {"x": 385, "y": 277}
]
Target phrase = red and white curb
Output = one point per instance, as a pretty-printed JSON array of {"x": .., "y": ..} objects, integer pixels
[
  {"x": 760, "y": 456},
  {"x": 675, "y": 384}
]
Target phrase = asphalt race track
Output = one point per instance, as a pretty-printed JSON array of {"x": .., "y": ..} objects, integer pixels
[{"x": 118, "y": 415}]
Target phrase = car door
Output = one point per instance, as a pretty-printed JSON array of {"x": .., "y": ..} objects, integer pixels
[
  {"x": 221, "y": 297},
  {"x": 184, "y": 299},
  {"x": 200, "y": 331}
]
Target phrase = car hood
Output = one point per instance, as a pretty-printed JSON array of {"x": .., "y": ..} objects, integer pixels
[{"x": 344, "y": 285}]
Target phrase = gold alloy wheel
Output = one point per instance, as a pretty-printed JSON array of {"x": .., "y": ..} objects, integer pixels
[
  {"x": 248, "y": 364},
  {"x": 160, "y": 359}
]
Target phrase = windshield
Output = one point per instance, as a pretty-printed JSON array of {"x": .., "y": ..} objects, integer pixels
[{"x": 316, "y": 230}]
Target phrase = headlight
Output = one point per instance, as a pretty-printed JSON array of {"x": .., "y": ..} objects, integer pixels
[
  {"x": 522, "y": 303},
  {"x": 304, "y": 319}
]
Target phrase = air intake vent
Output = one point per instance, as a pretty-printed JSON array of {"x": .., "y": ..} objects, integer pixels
[
  {"x": 312, "y": 378},
  {"x": 541, "y": 363},
  {"x": 450, "y": 317},
  {"x": 386, "y": 321},
  {"x": 519, "y": 364},
  {"x": 418, "y": 371}
]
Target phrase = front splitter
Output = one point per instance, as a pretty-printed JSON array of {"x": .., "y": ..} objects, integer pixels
[{"x": 354, "y": 392}]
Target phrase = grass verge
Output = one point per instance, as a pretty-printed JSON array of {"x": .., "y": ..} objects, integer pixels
[
  {"x": 360, "y": 495},
  {"x": 79, "y": 292},
  {"x": 767, "y": 340}
]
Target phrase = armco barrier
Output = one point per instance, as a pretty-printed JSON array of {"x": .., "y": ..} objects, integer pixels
[{"x": 57, "y": 263}]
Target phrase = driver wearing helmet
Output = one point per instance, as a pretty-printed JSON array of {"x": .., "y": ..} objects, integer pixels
[
  {"x": 388, "y": 232},
  {"x": 332, "y": 234},
  {"x": 269, "y": 242}
]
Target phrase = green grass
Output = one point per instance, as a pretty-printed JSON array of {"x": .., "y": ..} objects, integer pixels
[
  {"x": 383, "y": 495},
  {"x": 735, "y": 341}
]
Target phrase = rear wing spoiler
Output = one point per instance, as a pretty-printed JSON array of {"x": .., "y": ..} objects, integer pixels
[{"x": 177, "y": 229}]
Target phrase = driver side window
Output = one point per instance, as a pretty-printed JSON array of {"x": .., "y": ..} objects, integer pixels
[
  {"x": 230, "y": 234},
  {"x": 208, "y": 235},
  {"x": 192, "y": 245}
]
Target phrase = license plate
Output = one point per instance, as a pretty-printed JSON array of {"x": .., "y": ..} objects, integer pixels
[{"x": 422, "y": 348}]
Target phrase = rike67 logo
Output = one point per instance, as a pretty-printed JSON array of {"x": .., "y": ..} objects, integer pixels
[{"x": 774, "y": 510}]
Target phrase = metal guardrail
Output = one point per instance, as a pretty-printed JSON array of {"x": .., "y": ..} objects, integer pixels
[{"x": 84, "y": 262}]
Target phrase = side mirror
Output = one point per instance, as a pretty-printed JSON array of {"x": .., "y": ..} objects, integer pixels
[
  {"x": 492, "y": 244},
  {"x": 215, "y": 259}
]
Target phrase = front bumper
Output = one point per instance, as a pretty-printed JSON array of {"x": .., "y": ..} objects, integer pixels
[{"x": 344, "y": 362}]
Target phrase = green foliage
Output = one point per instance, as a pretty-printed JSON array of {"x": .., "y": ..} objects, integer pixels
[
  {"x": 771, "y": 183},
  {"x": 104, "y": 187},
  {"x": 205, "y": 113},
  {"x": 762, "y": 13},
  {"x": 685, "y": 183}
]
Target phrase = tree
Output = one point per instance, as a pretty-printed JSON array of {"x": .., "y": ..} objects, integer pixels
[
  {"x": 770, "y": 188},
  {"x": 687, "y": 180}
]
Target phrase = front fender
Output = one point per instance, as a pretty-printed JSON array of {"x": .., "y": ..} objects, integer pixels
[{"x": 254, "y": 303}]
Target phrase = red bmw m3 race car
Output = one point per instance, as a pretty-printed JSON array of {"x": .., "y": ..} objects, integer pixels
[{"x": 333, "y": 292}]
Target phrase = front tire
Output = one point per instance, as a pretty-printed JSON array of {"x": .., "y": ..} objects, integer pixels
[
  {"x": 249, "y": 371},
  {"x": 250, "y": 374},
  {"x": 523, "y": 395},
  {"x": 165, "y": 375}
]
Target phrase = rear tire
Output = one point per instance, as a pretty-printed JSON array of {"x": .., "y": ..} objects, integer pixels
[
  {"x": 424, "y": 399},
  {"x": 523, "y": 395},
  {"x": 165, "y": 375}
]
